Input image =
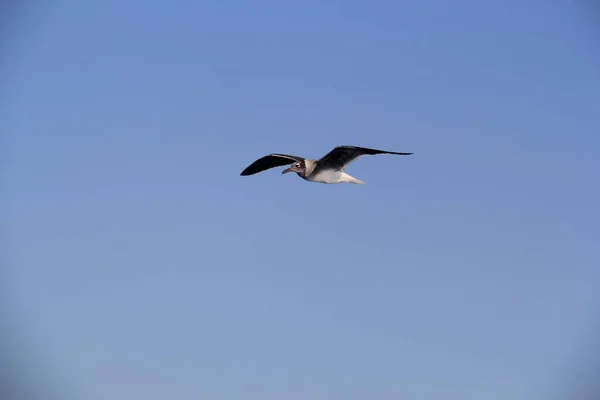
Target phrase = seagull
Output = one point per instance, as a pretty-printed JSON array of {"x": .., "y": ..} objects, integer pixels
[{"x": 328, "y": 169}]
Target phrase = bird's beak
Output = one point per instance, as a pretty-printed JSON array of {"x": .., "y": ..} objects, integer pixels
[{"x": 285, "y": 171}]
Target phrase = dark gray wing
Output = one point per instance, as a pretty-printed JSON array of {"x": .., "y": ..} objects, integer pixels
[
  {"x": 270, "y": 161},
  {"x": 341, "y": 156}
]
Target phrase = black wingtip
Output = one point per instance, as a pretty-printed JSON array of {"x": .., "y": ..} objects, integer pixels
[{"x": 247, "y": 171}]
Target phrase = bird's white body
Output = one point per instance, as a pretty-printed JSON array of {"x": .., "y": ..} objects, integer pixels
[
  {"x": 332, "y": 176},
  {"x": 328, "y": 176}
]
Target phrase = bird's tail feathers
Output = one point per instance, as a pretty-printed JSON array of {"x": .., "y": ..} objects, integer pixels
[{"x": 351, "y": 179}]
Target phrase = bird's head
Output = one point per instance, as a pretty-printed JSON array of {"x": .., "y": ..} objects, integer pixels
[{"x": 298, "y": 167}]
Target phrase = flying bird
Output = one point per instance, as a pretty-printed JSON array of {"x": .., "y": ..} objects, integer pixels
[{"x": 328, "y": 169}]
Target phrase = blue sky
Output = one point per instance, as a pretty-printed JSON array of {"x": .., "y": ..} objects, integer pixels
[{"x": 143, "y": 266}]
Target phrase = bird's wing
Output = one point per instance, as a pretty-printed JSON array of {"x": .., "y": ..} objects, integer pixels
[
  {"x": 270, "y": 161},
  {"x": 341, "y": 156}
]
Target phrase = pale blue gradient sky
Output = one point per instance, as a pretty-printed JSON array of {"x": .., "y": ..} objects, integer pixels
[{"x": 144, "y": 267}]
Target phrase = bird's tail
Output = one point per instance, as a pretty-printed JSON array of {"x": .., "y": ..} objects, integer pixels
[{"x": 351, "y": 179}]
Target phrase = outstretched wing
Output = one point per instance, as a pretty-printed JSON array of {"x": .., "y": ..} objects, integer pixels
[
  {"x": 270, "y": 161},
  {"x": 341, "y": 156}
]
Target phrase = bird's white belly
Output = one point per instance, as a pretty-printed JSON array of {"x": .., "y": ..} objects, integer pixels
[{"x": 328, "y": 176}]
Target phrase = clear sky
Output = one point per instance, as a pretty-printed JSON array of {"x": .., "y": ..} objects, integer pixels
[{"x": 142, "y": 266}]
